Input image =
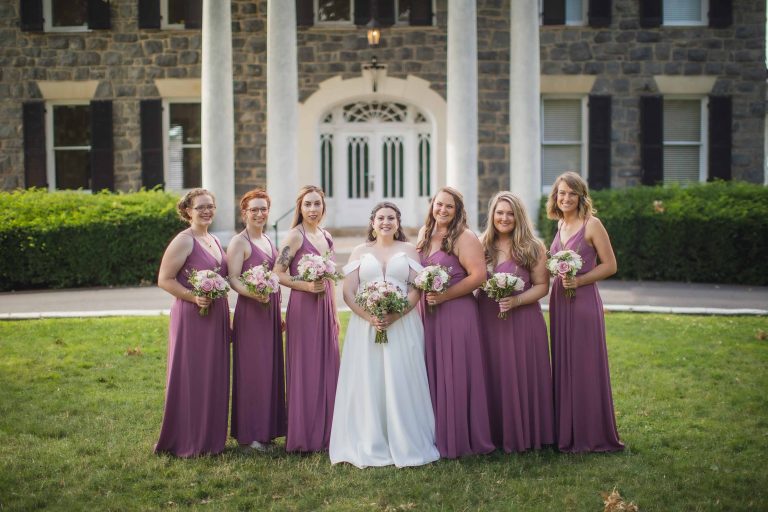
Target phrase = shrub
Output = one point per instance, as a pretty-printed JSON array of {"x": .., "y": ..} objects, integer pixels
[
  {"x": 70, "y": 239},
  {"x": 713, "y": 232}
]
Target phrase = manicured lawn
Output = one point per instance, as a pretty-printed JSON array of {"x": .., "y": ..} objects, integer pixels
[{"x": 79, "y": 414}]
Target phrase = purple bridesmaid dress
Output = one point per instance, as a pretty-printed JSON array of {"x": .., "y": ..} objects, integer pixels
[
  {"x": 584, "y": 417},
  {"x": 258, "y": 381},
  {"x": 518, "y": 374},
  {"x": 197, "y": 385},
  {"x": 312, "y": 363},
  {"x": 455, "y": 369}
]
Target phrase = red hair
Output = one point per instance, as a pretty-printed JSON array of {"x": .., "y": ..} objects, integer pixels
[{"x": 256, "y": 193}]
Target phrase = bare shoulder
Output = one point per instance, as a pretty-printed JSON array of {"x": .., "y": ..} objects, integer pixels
[
  {"x": 594, "y": 225},
  {"x": 293, "y": 238},
  {"x": 181, "y": 241},
  {"x": 358, "y": 251},
  {"x": 422, "y": 230},
  {"x": 237, "y": 243},
  {"x": 468, "y": 238}
]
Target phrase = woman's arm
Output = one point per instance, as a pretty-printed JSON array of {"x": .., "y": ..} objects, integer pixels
[
  {"x": 596, "y": 235},
  {"x": 238, "y": 251},
  {"x": 281, "y": 267},
  {"x": 539, "y": 286},
  {"x": 173, "y": 260},
  {"x": 471, "y": 256}
]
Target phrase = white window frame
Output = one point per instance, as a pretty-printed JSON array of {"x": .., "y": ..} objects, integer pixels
[
  {"x": 164, "y": 25},
  {"x": 167, "y": 102},
  {"x": 546, "y": 188},
  {"x": 48, "y": 21},
  {"x": 50, "y": 149},
  {"x": 703, "y": 131},
  {"x": 572, "y": 23},
  {"x": 692, "y": 23},
  {"x": 319, "y": 22}
]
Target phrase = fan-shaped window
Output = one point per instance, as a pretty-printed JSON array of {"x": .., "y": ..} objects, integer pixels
[{"x": 364, "y": 112}]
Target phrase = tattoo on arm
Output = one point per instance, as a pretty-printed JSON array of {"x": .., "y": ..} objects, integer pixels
[{"x": 285, "y": 257}]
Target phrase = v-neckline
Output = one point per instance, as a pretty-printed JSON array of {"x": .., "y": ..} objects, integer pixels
[
  {"x": 218, "y": 262},
  {"x": 560, "y": 236},
  {"x": 262, "y": 251},
  {"x": 306, "y": 238},
  {"x": 383, "y": 265}
]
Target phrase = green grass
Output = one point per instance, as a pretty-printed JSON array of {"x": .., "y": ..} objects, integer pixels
[{"x": 79, "y": 417}]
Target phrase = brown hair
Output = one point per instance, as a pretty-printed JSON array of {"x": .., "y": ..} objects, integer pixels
[
  {"x": 576, "y": 183},
  {"x": 455, "y": 228},
  {"x": 186, "y": 202},
  {"x": 526, "y": 248},
  {"x": 298, "y": 218},
  {"x": 399, "y": 235}
]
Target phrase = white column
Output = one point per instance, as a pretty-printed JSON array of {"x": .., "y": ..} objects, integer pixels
[
  {"x": 525, "y": 105},
  {"x": 218, "y": 124},
  {"x": 282, "y": 109},
  {"x": 461, "y": 127}
]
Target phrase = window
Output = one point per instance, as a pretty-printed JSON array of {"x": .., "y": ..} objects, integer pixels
[
  {"x": 69, "y": 151},
  {"x": 685, "y": 12},
  {"x": 563, "y": 138},
  {"x": 359, "y": 12},
  {"x": 172, "y": 13},
  {"x": 563, "y": 12},
  {"x": 334, "y": 11},
  {"x": 684, "y": 135},
  {"x": 65, "y": 15},
  {"x": 183, "y": 166}
]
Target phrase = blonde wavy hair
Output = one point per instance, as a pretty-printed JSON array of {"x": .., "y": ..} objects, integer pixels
[
  {"x": 455, "y": 228},
  {"x": 526, "y": 248},
  {"x": 576, "y": 183}
]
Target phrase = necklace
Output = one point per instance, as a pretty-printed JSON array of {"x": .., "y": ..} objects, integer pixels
[{"x": 204, "y": 240}]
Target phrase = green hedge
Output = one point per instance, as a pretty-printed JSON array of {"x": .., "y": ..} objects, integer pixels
[
  {"x": 70, "y": 239},
  {"x": 713, "y": 232}
]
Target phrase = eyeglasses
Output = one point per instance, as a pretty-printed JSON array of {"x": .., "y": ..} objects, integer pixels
[
  {"x": 205, "y": 208},
  {"x": 254, "y": 211}
]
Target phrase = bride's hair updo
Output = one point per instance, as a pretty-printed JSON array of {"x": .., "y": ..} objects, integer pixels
[{"x": 399, "y": 235}]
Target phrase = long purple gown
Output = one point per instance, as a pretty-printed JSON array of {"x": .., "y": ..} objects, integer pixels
[
  {"x": 518, "y": 374},
  {"x": 258, "y": 380},
  {"x": 197, "y": 384},
  {"x": 584, "y": 417},
  {"x": 312, "y": 357},
  {"x": 455, "y": 369}
]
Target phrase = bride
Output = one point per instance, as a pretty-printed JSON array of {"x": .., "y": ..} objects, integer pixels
[{"x": 383, "y": 412}]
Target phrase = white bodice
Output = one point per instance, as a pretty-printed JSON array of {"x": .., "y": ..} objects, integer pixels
[{"x": 371, "y": 269}]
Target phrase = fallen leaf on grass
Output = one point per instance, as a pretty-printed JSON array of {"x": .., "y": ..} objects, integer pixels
[
  {"x": 133, "y": 351},
  {"x": 761, "y": 335},
  {"x": 615, "y": 503}
]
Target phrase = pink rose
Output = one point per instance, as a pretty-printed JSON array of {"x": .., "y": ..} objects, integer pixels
[
  {"x": 437, "y": 284},
  {"x": 563, "y": 267},
  {"x": 206, "y": 285}
]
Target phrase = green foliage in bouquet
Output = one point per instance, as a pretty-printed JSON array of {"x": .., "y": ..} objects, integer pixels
[
  {"x": 71, "y": 239},
  {"x": 711, "y": 232}
]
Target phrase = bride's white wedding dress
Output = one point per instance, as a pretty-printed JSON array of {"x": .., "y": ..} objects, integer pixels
[{"x": 383, "y": 413}]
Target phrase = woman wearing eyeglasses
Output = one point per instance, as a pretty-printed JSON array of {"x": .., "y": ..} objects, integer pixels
[
  {"x": 258, "y": 384},
  {"x": 197, "y": 383}
]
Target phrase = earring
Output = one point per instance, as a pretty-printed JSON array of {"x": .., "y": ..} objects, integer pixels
[{"x": 373, "y": 234}]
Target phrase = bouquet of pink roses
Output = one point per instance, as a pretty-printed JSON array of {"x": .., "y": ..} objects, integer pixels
[
  {"x": 565, "y": 263},
  {"x": 207, "y": 283},
  {"x": 433, "y": 278},
  {"x": 379, "y": 298},
  {"x": 313, "y": 267},
  {"x": 501, "y": 285},
  {"x": 260, "y": 281}
]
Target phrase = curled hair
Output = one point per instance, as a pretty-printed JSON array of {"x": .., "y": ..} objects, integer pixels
[
  {"x": 457, "y": 226},
  {"x": 526, "y": 248},
  {"x": 576, "y": 183},
  {"x": 186, "y": 202},
  {"x": 399, "y": 235},
  {"x": 298, "y": 218}
]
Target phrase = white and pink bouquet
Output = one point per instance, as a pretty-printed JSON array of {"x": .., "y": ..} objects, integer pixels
[
  {"x": 260, "y": 281},
  {"x": 380, "y": 298},
  {"x": 313, "y": 267},
  {"x": 502, "y": 285},
  {"x": 565, "y": 263},
  {"x": 433, "y": 278},
  {"x": 207, "y": 283}
]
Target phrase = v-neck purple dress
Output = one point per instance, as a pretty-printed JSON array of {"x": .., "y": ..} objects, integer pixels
[
  {"x": 197, "y": 384},
  {"x": 455, "y": 369},
  {"x": 312, "y": 362},
  {"x": 584, "y": 416},
  {"x": 518, "y": 374},
  {"x": 258, "y": 379}
]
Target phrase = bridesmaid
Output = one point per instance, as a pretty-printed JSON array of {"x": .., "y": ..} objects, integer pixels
[
  {"x": 258, "y": 383},
  {"x": 197, "y": 383},
  {"x": 455, "y": 365},
  {"x": 312, "y": 330},
  {"x": 584, "y": 417},
  {"x": 516, "y": 349}
]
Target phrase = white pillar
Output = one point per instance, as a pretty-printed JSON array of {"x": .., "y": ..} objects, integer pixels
[
  {"x": 461, "y": 128},
  {"x": 218, "y": 123},
  {"x": 282, "y": 109},
  {"x": 525, "y": 105}
]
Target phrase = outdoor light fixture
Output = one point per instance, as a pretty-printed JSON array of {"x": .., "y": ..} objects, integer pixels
[
  {"x": 374, "y": 33},
  {"x": 374, "y": 38}
]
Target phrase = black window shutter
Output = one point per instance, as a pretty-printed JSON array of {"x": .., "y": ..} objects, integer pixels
[
  {"x": 151, "y": 115},
  {"x": 599, "y": 142},
  {"x": 149, "y": 13},
  {"x": 719, "y": 137},
  {"x": 98, "y": 15},
  {"x": 554, "y": 12},
  {"x": 31, "y": 14},
  {"x": 102, "y": 147},
  {"x": 35, "y": 175},
  {"x": 720, "y": 13},
  {"x": 362, "y": 12},
  {"x": 652, "y": 139},
  {"x": 651, "y": 13},
  {"x": 599, "y": 13},
  {"x": 305, "y": 14},
  {"x": 193, "y": 14},
  {"x": 421, "y": 13},
  {"x": 386, "y": 12}
]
